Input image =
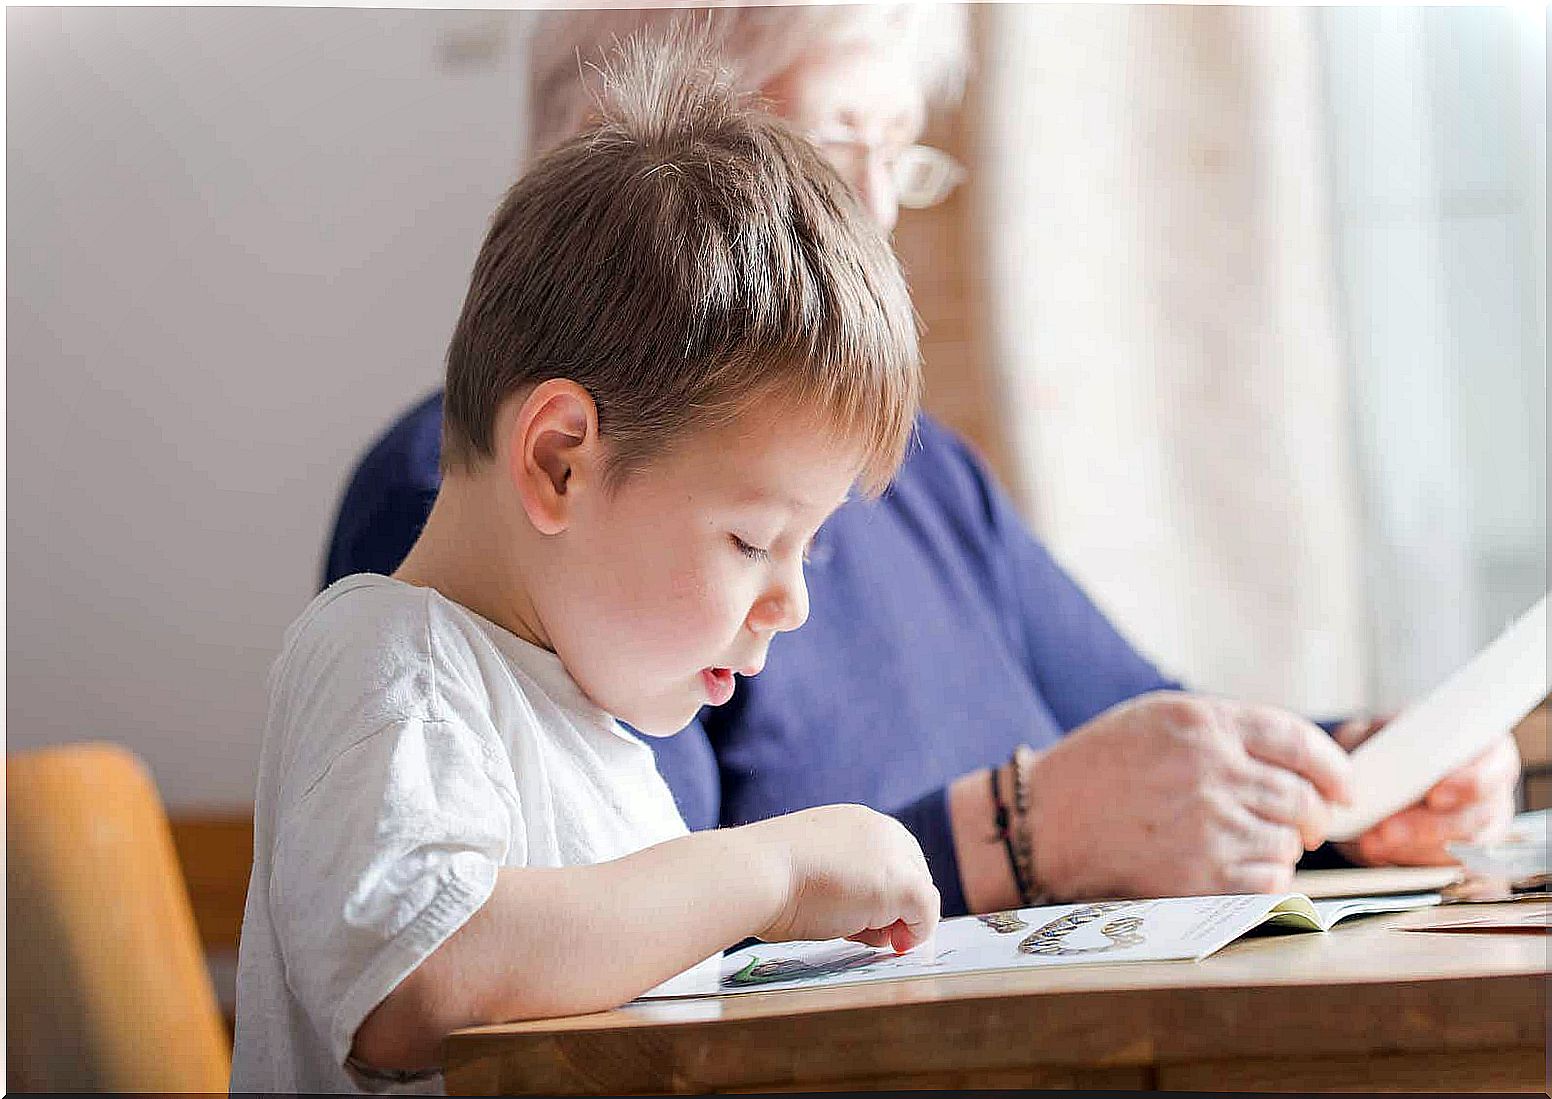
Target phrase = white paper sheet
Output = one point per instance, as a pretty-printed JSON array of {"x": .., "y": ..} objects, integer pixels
[{"x": 1446, "y": 729}]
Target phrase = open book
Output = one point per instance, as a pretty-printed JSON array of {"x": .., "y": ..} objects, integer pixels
[{"x": 1169, "y": 929}]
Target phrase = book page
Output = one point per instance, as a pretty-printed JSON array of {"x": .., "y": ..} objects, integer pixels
[
  {"x": 1103, "y": 932},
  {"x": 1479, "y": 703},
  {"x": 1177, "y": 928},
  {"x": 1331, "y": 912}
]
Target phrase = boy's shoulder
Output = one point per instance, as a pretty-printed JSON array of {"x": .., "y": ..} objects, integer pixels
[{"x": 379, "y": 648}]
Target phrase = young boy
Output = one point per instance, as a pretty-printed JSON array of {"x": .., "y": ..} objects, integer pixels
[{"x": 682, "y": 346}]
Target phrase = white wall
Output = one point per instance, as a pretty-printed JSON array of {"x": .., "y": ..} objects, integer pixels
[{"x": 237, "y": 241}]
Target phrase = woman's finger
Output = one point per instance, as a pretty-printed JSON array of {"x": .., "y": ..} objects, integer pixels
[
  {"x": 1294, "y": 744},
  {"x": 1258, "y": 877},
  {"x": 1493, "y": 773},
  {"x": 1285, "y": 798},
  {"x": 1352, "y": 733},
  {"x": 1419, "y": 836}
]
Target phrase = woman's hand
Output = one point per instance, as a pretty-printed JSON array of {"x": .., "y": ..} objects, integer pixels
[
  {"x": 1175, "y": 794},
  {"x": 1472, "y": 804}
]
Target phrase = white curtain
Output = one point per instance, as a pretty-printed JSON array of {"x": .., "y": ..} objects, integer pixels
[
  {"x": 1152, "y": 190},
  {"x": 1437, "y": 131}
]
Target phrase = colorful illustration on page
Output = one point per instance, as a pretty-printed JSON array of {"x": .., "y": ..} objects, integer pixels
[{"x": 844, "y": 960}]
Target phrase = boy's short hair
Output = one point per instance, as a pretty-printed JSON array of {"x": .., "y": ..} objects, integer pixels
[{"x": 684, "y": 259}]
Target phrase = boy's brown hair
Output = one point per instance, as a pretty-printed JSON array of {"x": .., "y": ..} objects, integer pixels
[{"x": 684, "y": 259}]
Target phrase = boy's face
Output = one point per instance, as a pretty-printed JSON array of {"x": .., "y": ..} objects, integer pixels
[{"x": 679, "y": 579}]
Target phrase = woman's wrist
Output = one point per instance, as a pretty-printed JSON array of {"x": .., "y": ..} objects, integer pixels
[
  {"x": 1047, "y": 847},
  {"x": 987, "y": 871},
  {"x": 1021, "y": 831},
  {"x": 1010, "y": 804},
  {"x": 984, "y": 875}
]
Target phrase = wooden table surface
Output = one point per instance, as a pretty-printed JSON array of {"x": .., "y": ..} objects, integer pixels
[{"x": 1367, "y": 1006}]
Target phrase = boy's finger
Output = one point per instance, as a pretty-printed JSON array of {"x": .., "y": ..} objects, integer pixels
[
  {"x": 908, "y": 936},
  {"x": 873, "y": 936}
]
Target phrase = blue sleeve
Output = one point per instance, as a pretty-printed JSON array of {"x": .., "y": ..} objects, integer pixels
[
  {"x": 1078, "y": 661},
  {"x": 389, "y": 495},
  {"x": 927, "y": 819}
]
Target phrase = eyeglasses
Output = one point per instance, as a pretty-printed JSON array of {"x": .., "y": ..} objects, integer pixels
[{"x": 922, "y": 176}]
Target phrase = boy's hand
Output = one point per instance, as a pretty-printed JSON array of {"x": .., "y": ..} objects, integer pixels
[{"x": 851, "y": 873}]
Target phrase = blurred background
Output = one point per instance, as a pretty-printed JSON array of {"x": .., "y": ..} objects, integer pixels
[{"x": 1246, "y": 306}]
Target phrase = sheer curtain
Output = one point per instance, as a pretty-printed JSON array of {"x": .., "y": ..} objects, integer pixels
[
  {"x": 1437, "y": 128},
  {"x": 1156, "y": 215}
]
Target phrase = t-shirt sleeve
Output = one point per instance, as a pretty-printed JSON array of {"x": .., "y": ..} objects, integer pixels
[{"x": 381, "y": 858}]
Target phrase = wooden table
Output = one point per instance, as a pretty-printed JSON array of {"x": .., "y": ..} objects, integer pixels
[{"x": 1365, "y": 1007}]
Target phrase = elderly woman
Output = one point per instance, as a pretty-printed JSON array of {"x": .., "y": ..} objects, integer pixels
[{"x": 951, "y": 673}]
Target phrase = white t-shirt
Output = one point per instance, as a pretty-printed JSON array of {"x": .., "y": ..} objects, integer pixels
[{"x": 411, "y": 749}]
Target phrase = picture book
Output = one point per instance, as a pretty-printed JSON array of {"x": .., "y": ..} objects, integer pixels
[{"x": 1165, "y": 929}]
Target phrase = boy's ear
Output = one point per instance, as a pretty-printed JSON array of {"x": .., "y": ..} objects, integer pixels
[{"x": 555, "y": 451}]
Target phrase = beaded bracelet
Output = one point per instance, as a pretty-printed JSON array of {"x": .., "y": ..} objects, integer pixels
[
  {"x": 1005, "y": 834},
  {"x": 1023, "y": 843}
]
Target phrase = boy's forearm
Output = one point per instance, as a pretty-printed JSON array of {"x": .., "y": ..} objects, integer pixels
[
  {"x": 552, "y": 942},
  {"x": 586, "y": 938}
]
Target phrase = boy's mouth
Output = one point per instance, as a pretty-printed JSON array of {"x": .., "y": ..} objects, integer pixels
[{"x": 718, "y": 683}]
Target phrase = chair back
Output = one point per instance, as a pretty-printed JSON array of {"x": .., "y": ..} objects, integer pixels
[{"x": 106, "y": 984}]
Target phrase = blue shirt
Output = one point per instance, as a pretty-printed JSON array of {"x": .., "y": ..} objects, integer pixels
[{"x": 941, "y": 634}]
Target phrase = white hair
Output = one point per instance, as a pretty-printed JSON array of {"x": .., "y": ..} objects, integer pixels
[{"x": 757, "y": 43}]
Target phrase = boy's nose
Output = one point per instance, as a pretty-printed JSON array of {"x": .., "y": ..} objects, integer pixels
[
  {"x": 783, "y": 608},
  {"x": 796, "y": 605}
]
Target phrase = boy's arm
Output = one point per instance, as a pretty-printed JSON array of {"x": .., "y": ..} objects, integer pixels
[{"x": 552, "y": 942}]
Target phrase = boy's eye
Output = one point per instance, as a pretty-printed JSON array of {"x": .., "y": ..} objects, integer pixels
[{"x": 754, "y": 553}]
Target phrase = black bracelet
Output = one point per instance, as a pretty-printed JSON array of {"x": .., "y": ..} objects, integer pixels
[{"x": 1006, "y": 835}]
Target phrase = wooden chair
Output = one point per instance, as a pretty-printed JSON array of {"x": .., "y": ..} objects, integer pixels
[{"x": 106, "y": 983}]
